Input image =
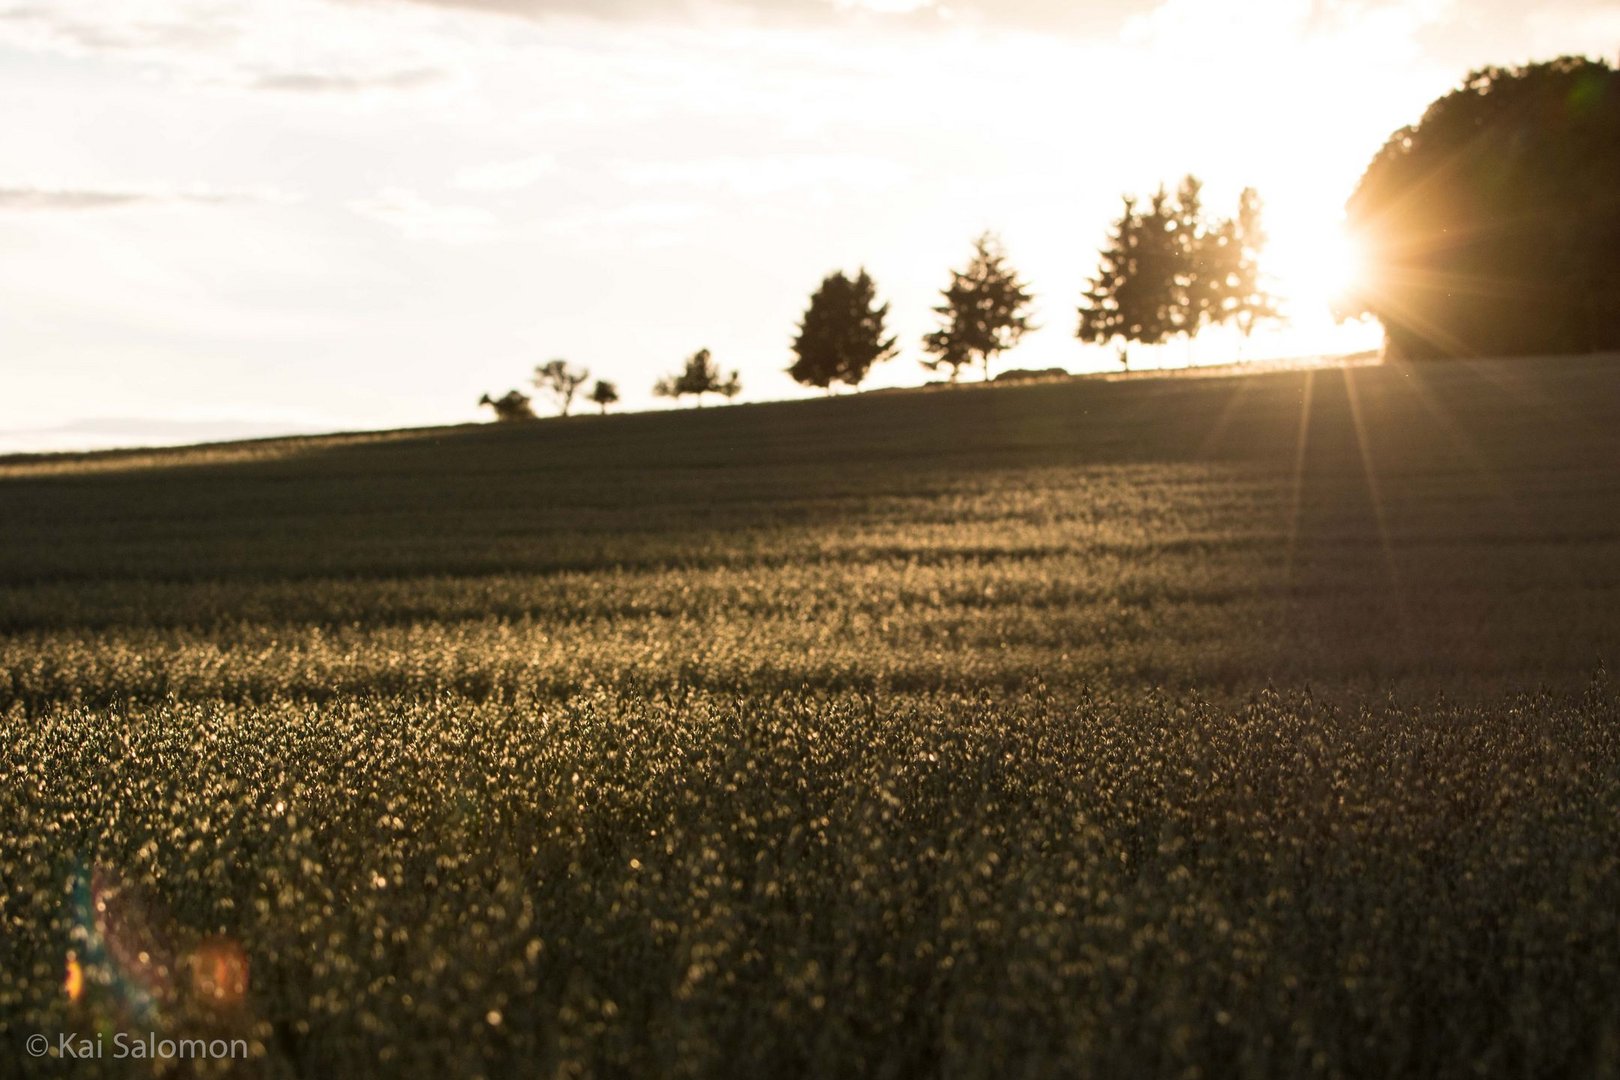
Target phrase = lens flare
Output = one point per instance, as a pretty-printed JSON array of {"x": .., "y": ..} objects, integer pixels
[
  {"x": 73, "y": 981},
  {"x": 219, "y": 972}
]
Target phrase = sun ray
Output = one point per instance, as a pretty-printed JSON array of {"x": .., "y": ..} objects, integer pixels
[
  {"x": 1512, "y": 379},
  {"x": 1376, "y": 497},
  {"x": 1240, "y": 390},
  {"x": 1301, "y": 439},
  {"x": 1465, "y": 444}
]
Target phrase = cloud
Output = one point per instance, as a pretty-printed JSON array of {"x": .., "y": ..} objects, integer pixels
[
  {"x": 420, "y": 219},
  {"x": 303, "y": 46},
  {"x": 622, "y": 10},
  {"x": 1555, "y": 30},
  {"x": 309, "y": 82},
  {"x": 68, "y": 199},
  {"x": 639, "y": 225},
  {"x": 752, "y": 176},
  {"x": 1058, "y": 15},
  {"x": 513, "y": 175},
  {"x": 142, "y": 25},
  {"x": 23, "y": 198}
]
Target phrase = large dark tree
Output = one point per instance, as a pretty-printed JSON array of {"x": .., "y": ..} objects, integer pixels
[
  {"x": 1492, "y": 225},
  {"x": 843, "y": 333},
  {"x": 985, "y": 313}
]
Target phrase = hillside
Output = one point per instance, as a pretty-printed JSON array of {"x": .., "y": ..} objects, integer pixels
[
  {"x": 1451, "y": 524},
  {"x": 1244, "y": 727}
]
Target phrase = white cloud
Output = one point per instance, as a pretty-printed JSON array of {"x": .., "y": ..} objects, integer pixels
[
  {"x": 1595, "y": 31},
  {"x": 1245, "y": 36},
  {"x": 511, "y": 175},
  {"x": 333, "y": 47},
  {"x": 47, "y": 198},
  {"x": 420, "y": 219},
  {"x": 886, "y": 7},
  {"x": 31, "y": 198},
  {"x": 657, "y": 221},
  {"x": 125, "y": 26},
  {"x": 1048, "y": 15},
  {"x": 316, "y": 82},
  {"x": 753, "y": 176}
]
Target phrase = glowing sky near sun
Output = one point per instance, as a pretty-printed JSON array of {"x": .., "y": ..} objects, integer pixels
[{"x": 320, "y": 213}]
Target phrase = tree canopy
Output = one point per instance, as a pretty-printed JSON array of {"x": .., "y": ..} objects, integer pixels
[
  {"x": 513, "y": 405},
  {"x": 1168, "y": 269},
  {"x": 843, "y": 333},
  {"x": 1132, "y": 298},
  {"x": 1492, "y": 225},
  {"x": 603, "y": 394},
  {"x": 700, "y": 376},
  {"x": 985, "y": 313},
  {"x": 562, "y": 382},
  {"x": 1244, "y": 298}
]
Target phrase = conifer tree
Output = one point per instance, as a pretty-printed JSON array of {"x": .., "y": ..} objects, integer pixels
[
  {"x": 985, "y": 313},
  {"x": 700, "y": 376},
  {"x": 1247, "y": 300},
  {"x": 843, "y": 333}
]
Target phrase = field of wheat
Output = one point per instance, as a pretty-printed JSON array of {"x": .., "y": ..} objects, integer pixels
[{"x": 1251, "y": 726}]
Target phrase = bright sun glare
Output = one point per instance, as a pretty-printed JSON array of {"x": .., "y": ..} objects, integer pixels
[{"x": 1313, "y": 269}]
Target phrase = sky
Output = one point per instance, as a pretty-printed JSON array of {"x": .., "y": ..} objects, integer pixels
[{"x": 233, "y": 217}]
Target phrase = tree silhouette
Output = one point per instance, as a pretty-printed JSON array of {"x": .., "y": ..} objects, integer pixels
[
  {"x": 1159, "y": 258},
  {"x": 1133, "y": 296},
  {"x": 1170, "y": 269},
  {"x": 1492, "y": 225},
  {"x": 842, "y": 334},
  {"x": 1105, "y": 314},
  {"x": 985, "y": 313},
  {"x": 1245, "y": 299},
  {"x": 700, "y": 376},
  {"x": 562, "y": 382},
  {"x": 514, "y": 405},
  {"x": 1201, "y": 278},
  {"x": 603, "y": 394}
]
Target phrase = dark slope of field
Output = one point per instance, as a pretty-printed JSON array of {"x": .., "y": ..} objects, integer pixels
[
  {"x": 1454, "y": 523},
  {"x": 1073, "y": 730}
]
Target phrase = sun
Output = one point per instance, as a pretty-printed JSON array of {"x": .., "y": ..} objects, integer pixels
[{"x": 1313, "y": 269}]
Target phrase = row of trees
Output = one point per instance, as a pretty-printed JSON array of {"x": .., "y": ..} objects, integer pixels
[
  {"x": 1167, "y": 270},
  {"x": 561, "y": 382},
  {"x": 1491, "y": 226},
  {"x": 844, "y": 331}
]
